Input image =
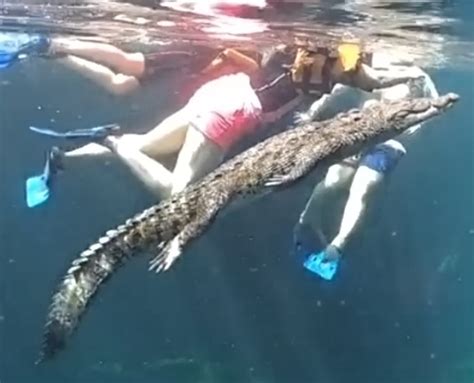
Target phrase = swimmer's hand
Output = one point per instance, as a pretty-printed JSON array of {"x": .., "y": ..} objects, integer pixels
[{"x": 302, "y": 118}]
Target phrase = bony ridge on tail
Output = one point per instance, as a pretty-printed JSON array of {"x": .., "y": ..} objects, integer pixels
[{"x": 170, "y": 226}]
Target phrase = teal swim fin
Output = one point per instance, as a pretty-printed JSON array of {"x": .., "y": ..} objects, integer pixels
[
  {"x": 38, "y": 187},
  {"x": 325, "y": 263},
  {"x": 37, "y": 190}
]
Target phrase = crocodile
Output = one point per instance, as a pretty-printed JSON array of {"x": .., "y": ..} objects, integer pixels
[{"x": 168, "y": 227}]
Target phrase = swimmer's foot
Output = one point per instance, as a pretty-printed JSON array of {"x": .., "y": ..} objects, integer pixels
[
  {"x": 38, "y": 187},
  {"x": 325, "y": 263},
  {"x": 45, "y": 47},
  {"x": 302, "y": 118},
  {"x": 304, "y": 240},
  {"x": 56, "y": 160},
  {"x": 39, "y": 44},
  {"x": 96, "y": 133},
  {"x": 308, "y": 236},
  {"x": 111, "y": 143}
]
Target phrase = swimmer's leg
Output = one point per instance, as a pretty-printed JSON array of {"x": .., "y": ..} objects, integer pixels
[
  {"x": 129, "y": 64},
  {"x": 364, "y": 184},
  {"x": 89, "y": 150},
  {"x": 166, "y": 138},
  {"x": 309, "y": 226},
  {"x": 114, "y": 83},
  {"x": 198, "y": 157},
  {"x": 154, "y": 175},
  {"x": 138, "y": 152}
]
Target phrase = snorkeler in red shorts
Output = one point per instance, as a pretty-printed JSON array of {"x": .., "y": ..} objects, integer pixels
[{"x": 244, "y": 97}]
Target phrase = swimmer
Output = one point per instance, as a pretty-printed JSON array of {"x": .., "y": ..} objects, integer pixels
[
  {"x": 345, "y": 66},
  {"x": 361, "y": 176},
  {"x": 321, "y": 71},
  {"x": 117, "y": 71},
  {"x": 316, "y": 69}
]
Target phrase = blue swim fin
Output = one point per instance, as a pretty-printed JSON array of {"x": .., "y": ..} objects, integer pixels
[
  {"x": 7, "y": 59},
  {"x": 37, "y": 190},
  {"x": 323, "y": 265},
  {"x": 14, "y": 45},
  {"x": 95, "y": 133},
  {"x": 38, "y": 187}
]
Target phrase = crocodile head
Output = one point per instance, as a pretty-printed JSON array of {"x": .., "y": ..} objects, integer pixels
[
  {"x": 404, "y": 114},
  {"x": 379, "y": 121}
]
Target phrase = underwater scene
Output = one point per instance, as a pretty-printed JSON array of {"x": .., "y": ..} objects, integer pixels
[{"x": 236, "y": 191}]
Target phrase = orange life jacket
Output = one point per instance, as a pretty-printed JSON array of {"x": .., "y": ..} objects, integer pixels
[{"x": 314, "y": 69}]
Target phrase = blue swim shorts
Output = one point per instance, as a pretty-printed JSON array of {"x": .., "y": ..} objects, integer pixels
[{"x": 382, "y": 158}]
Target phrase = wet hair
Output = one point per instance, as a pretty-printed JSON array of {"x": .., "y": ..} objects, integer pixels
[
  {"x": 273, "y": 86},
  {"x": 273, "y": 63},
  {"x": 276, "y": 57}
]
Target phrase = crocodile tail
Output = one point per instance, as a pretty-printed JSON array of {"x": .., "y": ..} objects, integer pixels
[{"x": 87, "y": 273}]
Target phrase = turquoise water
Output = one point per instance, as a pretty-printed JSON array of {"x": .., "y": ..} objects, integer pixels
[{"x": 239, "y": 307}]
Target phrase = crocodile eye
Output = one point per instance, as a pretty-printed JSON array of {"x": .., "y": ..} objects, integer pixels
[{"x": 402, "y": 114}]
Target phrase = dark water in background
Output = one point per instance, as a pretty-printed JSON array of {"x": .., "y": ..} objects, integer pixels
[{"x": 238, "y": 307}]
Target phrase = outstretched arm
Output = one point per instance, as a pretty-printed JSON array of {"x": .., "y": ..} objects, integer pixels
[
  {"x": 332, "y": 103},
  {"x": 367, "y": 78}
]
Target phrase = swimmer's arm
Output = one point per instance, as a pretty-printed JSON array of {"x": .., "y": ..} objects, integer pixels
[
  {"x": 368, "y": 79},
  {"x": 240, "y": 60},
  {"x": 276, "y": 115},
  {"x": 231, "y": 56}
]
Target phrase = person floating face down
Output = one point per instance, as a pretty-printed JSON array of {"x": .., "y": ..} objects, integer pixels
[{"x": 315, "y": 70}]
